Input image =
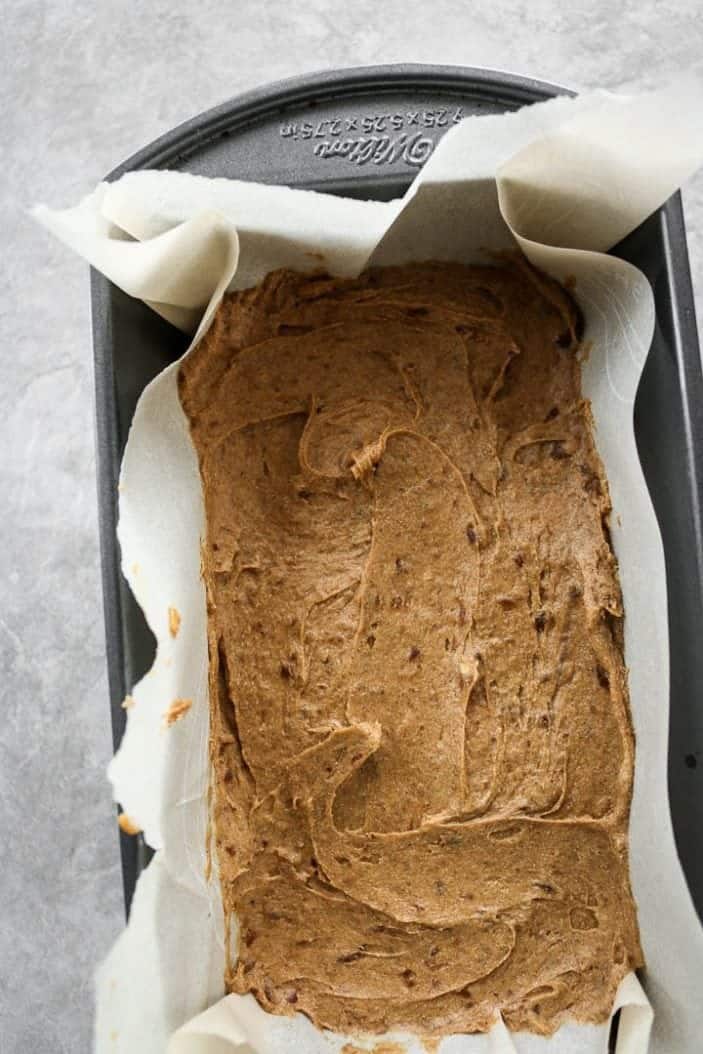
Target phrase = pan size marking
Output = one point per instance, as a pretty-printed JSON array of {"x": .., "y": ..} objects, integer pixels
[{"x": 377, "y": 139}]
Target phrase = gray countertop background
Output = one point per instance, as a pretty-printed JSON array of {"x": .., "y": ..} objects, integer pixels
[{"x": 84, "y": 84}]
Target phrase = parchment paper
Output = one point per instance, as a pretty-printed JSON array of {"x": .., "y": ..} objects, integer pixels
[{"x": 564, "y": 179}]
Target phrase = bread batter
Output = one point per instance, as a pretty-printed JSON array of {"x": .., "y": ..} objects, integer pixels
[{"x": 421, "y": 746}]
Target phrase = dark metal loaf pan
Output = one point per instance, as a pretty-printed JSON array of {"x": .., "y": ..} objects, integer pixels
[{"x": 364, "y": 133}]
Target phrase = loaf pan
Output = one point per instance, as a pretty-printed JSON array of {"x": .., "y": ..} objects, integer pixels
[{"x": 365, "y": 133}]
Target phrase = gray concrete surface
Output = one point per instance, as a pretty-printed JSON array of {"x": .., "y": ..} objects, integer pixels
[{"x": 84, "y": 83}]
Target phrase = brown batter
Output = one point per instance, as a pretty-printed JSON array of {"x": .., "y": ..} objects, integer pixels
[{"x": 420, "y": 737}]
